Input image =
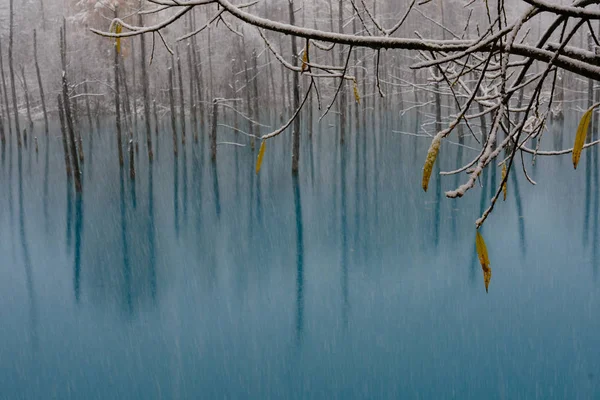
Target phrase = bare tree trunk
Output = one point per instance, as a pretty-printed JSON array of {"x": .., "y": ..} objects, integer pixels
[
  {"x": 355, "y": 55},
  {"x": 284, "y": 91},
  {"x": 97, "y": 114},
  {"x": 181, "y": 99},
  {"x": 248, "y": 101},
  {"x": 210, "y": 66},
  {"x": 172, "y": 104},
  {"x": 155, "y": 119},
  {"x": 256, "y": 109},
  {"x": 271, "y": 74},
  {"x": 39, "y": 76},
  {"x": 12, "y": 73},
  {"x": 2, "y": 132},
  {"x": 296, "y": 94},
  {"x": 213, "y": 131},
  {"x": 145, "y": 85},
  {"x": 88, "y": 109},
  {"x": 131, "y": 160},
  {"x": 63, "y": 129},
  {"x": 133, "y": 93},
  {"x": 26, "y": 93},
  {"x": 199, "y": 97},
  {"x": 194, "y": 117},
  {"x": 43, "y": 15},
  {"x": 199, "y": 79},
  {"x": 6, "y": 102},
  {"x": 438, "y": 108},
  {"x": 342, "y": 94},
  {"x": 236, "y": 122},
  {"x": 118, "y": 103},
  {"x": 67, "y": 107},
  {"x": 156, "y": 127},
  {"x": 127, "y": 103}
]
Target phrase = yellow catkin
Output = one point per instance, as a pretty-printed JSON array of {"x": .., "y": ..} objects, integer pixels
[
  {"x": 261, "y": 154},
  {"x": 118, "y": 30},
  {"x": 305, "y": 60},
  {"x": 356, "y": 94},
  {"x": 581, "y": 134},
  {"x": 483, "y": 259},
  {"x": 432, "y": 154}
]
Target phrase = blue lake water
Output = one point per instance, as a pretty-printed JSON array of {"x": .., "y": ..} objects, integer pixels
[{"x": 349, "y": 282}]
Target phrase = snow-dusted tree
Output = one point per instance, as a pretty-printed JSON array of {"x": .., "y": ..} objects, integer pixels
[{"x": 490, "y": 68}]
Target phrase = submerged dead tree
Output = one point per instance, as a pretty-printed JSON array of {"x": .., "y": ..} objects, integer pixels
[
  {"x": 6, "y": 102},
  {"x": 181, "y": 99},
  {"x": 26, "y": 94},
  {"x": 213, "y": 130},
  {"x": 296, "y": 95},
  {"x": 172, "y": 104},
  {"x": 12, "y": 72},
  {"x": 145, "y": 84},
  {"x": 39, "y": 79},
  {"x": 64, "y": 135},
  {"x": 67, "y": 108},
  {"x": 116, "y": 67}
]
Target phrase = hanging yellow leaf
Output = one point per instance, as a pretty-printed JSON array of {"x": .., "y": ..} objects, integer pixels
[
  {"x": 504, "y": 188},
  {"x": 483, "y": 259},
  {"x": 581, "y": 134},
  {"x": 261, "y": 154},
  {"x": 356, "y": 95},
  {"x": 305, "y": 59},
  {"x": 118, "y": 29},
  {"x": 432, "y": 154}
]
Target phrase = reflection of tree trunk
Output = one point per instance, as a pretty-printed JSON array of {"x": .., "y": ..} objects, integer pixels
[
  {"x": 27, "y": 258},
  {"x": 125, "y": 249},
  {"x": 176, "y": 195},
  {"x": 151, "y": 234},
  {"x": 521, "y": 217},
  {"x": 78, "y": 239},
  {"x": 46, "y": 184},
  {"x": 595, "y": 216},
  {"x": 185, "y": 186},
  {"x": 438, "y": 203},
  {"x": 216, "y": 190},
  {"x": 344, "y": 233},
  {"x": 299, "y": 261},
  {"x": 69, "y": 233}
]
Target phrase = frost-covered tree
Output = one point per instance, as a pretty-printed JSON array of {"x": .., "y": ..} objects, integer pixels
[{"x": 485, "y": 56}]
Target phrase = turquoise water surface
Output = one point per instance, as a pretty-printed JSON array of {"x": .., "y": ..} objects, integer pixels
[{"x": 201, "y": 281}]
